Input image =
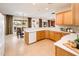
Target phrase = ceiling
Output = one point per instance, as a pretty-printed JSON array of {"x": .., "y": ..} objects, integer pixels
[{"x": 44, "y": 10}]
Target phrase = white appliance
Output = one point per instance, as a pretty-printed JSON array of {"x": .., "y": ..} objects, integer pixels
[
  {"x": 2, "y": 35},
  {"x": 32, "y": 37}
]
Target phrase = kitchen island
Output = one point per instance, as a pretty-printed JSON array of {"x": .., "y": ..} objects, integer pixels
[{"x": 62, "y": 50}]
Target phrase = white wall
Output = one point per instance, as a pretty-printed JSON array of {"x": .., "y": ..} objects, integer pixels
[{"x": 2, "y": 34}]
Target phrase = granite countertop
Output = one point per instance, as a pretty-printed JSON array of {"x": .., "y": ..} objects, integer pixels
[{"x": 65, "y": 39}]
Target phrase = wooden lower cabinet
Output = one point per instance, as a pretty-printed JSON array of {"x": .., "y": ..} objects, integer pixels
[
  {"x": 55, "y": 36},
  {"x": 47, "y": 34},
  {"x": 40, "y": 35},
  {"x": 26, "y": 37},
  {"x": 44, "y": 34},
  {"x": 52, "y": 35},
  {"x": 62, "y": 52}
]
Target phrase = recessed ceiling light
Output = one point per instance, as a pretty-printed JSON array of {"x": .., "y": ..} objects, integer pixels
[
  {"x": 34, "y": 3},
  {"x": 46, "y": 8}
]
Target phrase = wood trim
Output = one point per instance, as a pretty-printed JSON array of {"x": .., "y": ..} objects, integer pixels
[
  {"x": 61, "y": 52},
  {"x": 63, "y": 11},
  {"x": 26, "y": 37},
  {"x": 73, "y": 13}
]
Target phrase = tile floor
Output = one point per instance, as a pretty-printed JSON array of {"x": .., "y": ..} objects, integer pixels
[{"x": 17, "y": 47}]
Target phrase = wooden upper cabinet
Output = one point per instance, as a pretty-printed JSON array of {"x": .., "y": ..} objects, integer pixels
[
  {"x": 70, "y": 17},
  {"x": 64, "y": 18},
  {"x": 59, "y": 19},
  {"x": 68, "y": 20},
  {"x": 76, "y": 13}
]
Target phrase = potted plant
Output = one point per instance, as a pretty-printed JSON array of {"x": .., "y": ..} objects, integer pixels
[{"x": 77, "y": 41}]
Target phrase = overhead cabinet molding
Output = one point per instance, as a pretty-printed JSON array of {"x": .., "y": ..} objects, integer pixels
[{"x": 68, "y": 17}]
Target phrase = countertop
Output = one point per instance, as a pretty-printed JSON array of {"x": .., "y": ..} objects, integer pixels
[
  {"x": 45, "y": 28},
  {"x": 59, "y": 43},
  {"x": 65, "y": 39}
]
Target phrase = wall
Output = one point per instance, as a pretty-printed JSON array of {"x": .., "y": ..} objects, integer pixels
[
  {"x": 75, "y": 28},
  {"x": 35, "y": 21},
  {"x": 2, "y": 34}
]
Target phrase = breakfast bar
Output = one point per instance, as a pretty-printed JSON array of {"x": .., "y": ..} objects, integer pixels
[{"x": 59, "y": 46}]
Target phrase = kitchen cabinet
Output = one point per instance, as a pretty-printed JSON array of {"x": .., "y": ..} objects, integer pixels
[
  {"x": 76, "y": 13},
  {"x": 26, "y": 37},
  {"x": 52, "y": 35},
  {"x": 30, "y": 37},
  {"x": 40, "y": 35},
  {"x": 52, "y": 23},
  {"x": 59, "y": 19},
  {"x": 64, "y": 18},
  {"x": 47, "y": 34},
  {"x": 57, "y": 36},
  {"x": 68, "y": 19},
  {"x": 62, "y": 52}
]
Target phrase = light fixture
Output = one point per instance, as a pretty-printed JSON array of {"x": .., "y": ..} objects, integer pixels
[
  {"x": 33, "y": 3},
  {"x": 46, "y": 8}
]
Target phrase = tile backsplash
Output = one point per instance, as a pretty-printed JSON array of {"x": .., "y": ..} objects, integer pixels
[{"x": 75, "y": 28}]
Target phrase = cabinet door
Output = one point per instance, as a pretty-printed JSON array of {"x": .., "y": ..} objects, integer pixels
[
  {"x": 59, "y": 19},
  {"x": 62, "y": 52},
  {"x": 26, "y": 37},
  {"x": 76, "y": 13},
  {"x": 52, "y": 35},
  {"x": 57, "y": 36},
  {"x": 40, "y": 35},
  {"x": 47, "y": 34},
  {"x": 68, "y": 20}
]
